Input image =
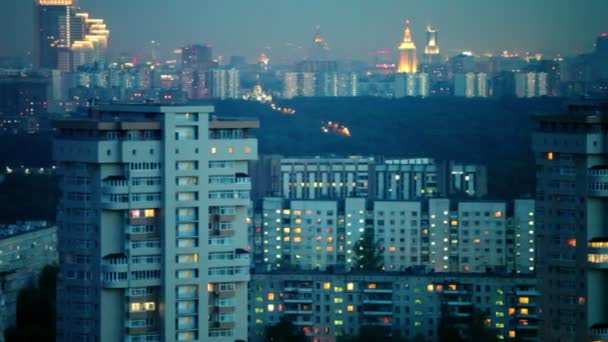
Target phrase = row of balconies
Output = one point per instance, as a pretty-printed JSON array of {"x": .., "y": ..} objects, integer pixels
[{"x": 597, "y": 178}]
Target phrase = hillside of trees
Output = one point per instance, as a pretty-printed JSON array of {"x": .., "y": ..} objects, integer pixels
[
  {"x": 490, "y": 131},
  {"x": 496, "y": 132}
]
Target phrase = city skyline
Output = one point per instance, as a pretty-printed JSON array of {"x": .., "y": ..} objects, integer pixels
[{"x": 270, "y": 26}]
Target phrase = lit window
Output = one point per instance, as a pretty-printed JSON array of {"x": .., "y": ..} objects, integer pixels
[
  {"x": 550, "y": 156},
  {"x": 371, "y": 286},
  {"x": 149, "y": 213},
  {"x": 135, "y": 307},
  {"x": 230, "y": 149},
  {"x": 350, "y": 286},
  {"x": 270, "y": 307},
  {"x": 512, "y": 333},
  {"x": 213, "y": 150},
  {"x": 271, "y": 296},
  {"x": 572, "y": 242},
  {"x": 430, "y": 287},
  {"x": 498, "y": 214},
  {"x": 350, "y": 308},
  {"x": 524, "y": 300},
  {"x": 524, "y": 311},
  {"x": 247, "y": 149},
  {"x": 150, "y": 306},
  {"x": 326, "y": 286},
  {"x": 338, "y": 300}
]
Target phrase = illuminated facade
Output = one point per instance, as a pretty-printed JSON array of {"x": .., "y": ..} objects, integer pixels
[
  {"x": 52, "y": 31},
  {"x": 410, "y": 84},
  {"x": 439, "y": 234},
  {"x": 408, "y": 62},
  {"x": 471, "y": 85},
  {"x": 153, "y": 225},
  {"x": 66, "y": 38},
  {"x": 572, "y": 190},
  {"x": 431, "y": 50},
  {"x": 92, "y": 46},
  {"x": 224, "y": 83},
  {"x": 327, "y": 306}
]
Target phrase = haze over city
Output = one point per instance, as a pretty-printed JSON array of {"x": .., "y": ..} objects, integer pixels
[
  {"x": 303, "y": 171},
  {"x": 353, "y": 29}
]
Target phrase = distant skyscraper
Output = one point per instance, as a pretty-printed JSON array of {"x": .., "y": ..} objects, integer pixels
[
  {"x": 52, "y": 30},
  {"x": 199, "y": 57},
  {"x": 407, "y": 52},
  {"x": 320, "y": 49},
  {"x": 91, "y": 44},
  {"x": 431, "y": 50}
]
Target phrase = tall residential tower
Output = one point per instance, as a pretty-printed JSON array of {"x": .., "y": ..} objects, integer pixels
[
  {"x": 572, "y": 239},
  {"x": 153, "y": 224}
]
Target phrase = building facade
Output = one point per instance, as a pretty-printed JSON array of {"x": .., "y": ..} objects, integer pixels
[
  {"x": 410, "y": 307},
  {"x": 25, "y": 249},
  {"x": 570, "y": 151},
  {"x": 435, "y": 234},
  {"x": 152, "y": 224}
]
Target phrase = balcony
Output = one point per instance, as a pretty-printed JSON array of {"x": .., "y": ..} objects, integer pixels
[
  {"x": 296, "y": 311},
  {"x": 597, "y": 253},
  {"x": 598, "y": 332},
  {"x": 299, "y": 288},
  {"x": 300, "y": 322},
  {"x": 378, "y": 290},
  {"x": 114, "y": 263},
  {"x": 371, "y": 312},
  {"x": 597, "y": 178},
  {"x": 298, "y": 299}
]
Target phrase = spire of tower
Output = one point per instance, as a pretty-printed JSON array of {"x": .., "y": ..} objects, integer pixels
[
  {"x": 407, "y": 34},
  {"x": 407, "y": 51}
]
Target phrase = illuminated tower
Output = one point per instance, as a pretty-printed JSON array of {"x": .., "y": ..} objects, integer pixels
[
  {"x": 52, "y": 30},
  {"x": 431, "y": 50},
  {"x": 407, "y": 52}
]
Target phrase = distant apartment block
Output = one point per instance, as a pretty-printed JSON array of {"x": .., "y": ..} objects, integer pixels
[
  {"x": 471, "y": 85},
  {"x": 359, "y": 176},
  {"x": 25, "y": 248},
  {"x": 327, "y": 306},
  {"x": 435, "y": 234}
]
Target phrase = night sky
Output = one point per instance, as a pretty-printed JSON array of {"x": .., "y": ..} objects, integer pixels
[{"x": 354, "y": 29}]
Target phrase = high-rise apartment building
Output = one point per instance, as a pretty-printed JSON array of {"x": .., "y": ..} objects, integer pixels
[
  {"x": 408, "y": 61},
  {"x": 471, "y": 85},
  {"x": 224, "y": 83},
  {"x": 530, "y": 84},
  {"x": 410, "y": 84},
  {"x": 153, "y": 224},
  {"x": 571, "y": 189}
]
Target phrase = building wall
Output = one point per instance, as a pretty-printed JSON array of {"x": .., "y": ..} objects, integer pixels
[
  {"x": 161, "y": 196},
  {"x": 25, "y": 250},
  {"x": 326, "y": 306}
]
